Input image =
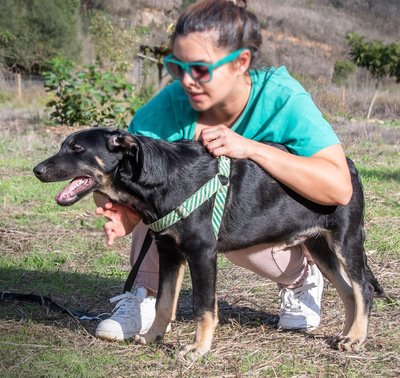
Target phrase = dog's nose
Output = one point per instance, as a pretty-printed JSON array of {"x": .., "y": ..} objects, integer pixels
[{"x": 39, "y": 170}]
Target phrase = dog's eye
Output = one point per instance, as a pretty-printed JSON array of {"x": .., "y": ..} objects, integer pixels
[{"x": 77, "y": 148}]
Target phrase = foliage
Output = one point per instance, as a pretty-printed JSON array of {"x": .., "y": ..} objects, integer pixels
[
  {"x": 379, "y": 59},
  {"x": 32, "y": 32},
  {"x": 114, "y": 48},
  {"x": 186, "y": 3},
  {"x": 88, "y": 96},
  {"x": 341, "y": 71}
]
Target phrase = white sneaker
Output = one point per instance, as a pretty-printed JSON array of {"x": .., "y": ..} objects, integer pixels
[
  {"x": 301, "y": 306},
  {"x": 133, "y": 314}
]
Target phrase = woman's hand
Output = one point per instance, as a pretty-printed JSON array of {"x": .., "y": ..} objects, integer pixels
[
  {"x": 122, "y": 219},
  {"x": 221, "y": 140}
]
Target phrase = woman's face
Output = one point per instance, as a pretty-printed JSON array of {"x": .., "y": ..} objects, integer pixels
[{"x": 199, "y": 47}]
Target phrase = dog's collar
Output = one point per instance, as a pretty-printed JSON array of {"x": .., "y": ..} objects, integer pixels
[{"x": 214, "y": 186}]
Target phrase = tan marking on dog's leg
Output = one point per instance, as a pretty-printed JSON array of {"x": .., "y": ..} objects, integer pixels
[
  {"x": 355, "y": 337},
  {"x": 165, "y": 309},
  {"x": 356, "y": 324},
  {"x": 342, "y": 284},
  {"x": 204, "y": 335},
  {"x": 178, "y": 286}
]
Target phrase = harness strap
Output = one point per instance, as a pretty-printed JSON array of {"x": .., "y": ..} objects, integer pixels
[
  {"x": 224, "y": 169},
  {"x": 202, "y": 195}
]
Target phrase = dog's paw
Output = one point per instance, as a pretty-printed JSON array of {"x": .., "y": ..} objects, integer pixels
[
  {"x": 193, "y": 352},
  {"x": 348, "y": 344},
  {"x": 138, "y": 339},
  {"x": 148, "y": 339}
]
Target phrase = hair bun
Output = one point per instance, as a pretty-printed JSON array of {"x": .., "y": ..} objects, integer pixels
[{"x": 239, "y": 3}]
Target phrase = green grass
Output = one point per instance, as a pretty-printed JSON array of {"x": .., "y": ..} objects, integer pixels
[
  {"x": 379, "y": 168},
  {"x": 61, "y": 253}
]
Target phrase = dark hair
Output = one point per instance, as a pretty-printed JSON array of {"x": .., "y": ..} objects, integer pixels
[{"x": 236, "y": 27}]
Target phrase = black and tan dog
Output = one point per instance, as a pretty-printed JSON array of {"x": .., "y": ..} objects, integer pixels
[{"x": 155, "y": 177}]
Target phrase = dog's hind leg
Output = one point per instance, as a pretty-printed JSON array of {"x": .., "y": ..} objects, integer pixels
[
  {"x": 355, "y": 334},
  {"x": 332, "y": 269},
  {"x": 349, "y": 278}
]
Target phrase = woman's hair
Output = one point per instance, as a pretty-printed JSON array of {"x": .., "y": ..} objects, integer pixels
[{"x": 234, "y": 26}]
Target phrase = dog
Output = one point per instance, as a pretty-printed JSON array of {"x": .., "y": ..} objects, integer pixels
[{"x": 156, "y": 176}]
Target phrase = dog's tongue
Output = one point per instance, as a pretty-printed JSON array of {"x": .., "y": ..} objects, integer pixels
[{"x": 71, "y": 191}]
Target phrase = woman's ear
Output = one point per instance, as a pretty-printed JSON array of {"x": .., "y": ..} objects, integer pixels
[{"x": 244, "y": 60}]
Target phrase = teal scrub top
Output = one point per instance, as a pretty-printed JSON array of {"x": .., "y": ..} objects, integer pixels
[{"x": 278, "y": 110}]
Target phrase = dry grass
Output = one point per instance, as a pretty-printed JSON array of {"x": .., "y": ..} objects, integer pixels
[{"x": 36, "y": 342}]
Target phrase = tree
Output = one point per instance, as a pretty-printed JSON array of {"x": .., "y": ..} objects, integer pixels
[
  {"x": 35, "y": 31},
  {"x": 114, "y": 47},
  {"x": 341, "y": 72},
  {"x": 379, "y": 59}
]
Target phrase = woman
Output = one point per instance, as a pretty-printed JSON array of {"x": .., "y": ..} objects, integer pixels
[{"x": 220, "y": 100}]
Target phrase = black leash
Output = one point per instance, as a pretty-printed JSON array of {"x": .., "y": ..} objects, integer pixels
[
  {"x": 133, "y": 273},
  {"x": 50, "y": 304}
]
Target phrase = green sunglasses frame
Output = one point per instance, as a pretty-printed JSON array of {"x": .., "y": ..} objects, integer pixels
[{"x": 186, "y": 66}]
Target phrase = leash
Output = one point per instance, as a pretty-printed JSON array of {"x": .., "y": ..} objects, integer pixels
[
  {"x": 214, "y": 186},
  {"x": 133, "y": 273},
  {"x": 50, "y": 304}
]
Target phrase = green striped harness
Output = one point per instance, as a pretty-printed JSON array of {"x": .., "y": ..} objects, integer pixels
[{"x": 214, "y": 186}]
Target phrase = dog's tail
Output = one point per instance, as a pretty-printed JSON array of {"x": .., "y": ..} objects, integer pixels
[{"x": 374, "y": 282}]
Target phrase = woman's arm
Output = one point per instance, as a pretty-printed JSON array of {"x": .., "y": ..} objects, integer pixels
[{"x": 323, "y": 178}]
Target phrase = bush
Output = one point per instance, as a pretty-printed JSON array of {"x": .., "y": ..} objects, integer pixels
[
  {"x": 342, "y": 70},
  {"x": 114, "y": 48},
  {"x": 87, "y": 96}
]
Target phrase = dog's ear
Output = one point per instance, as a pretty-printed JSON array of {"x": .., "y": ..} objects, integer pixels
[
  {"x": 125, "y": 142},
  {"x": 122, "y": 140}
]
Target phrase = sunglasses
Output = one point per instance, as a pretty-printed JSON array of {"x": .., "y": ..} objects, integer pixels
[{"x": 200, "y": 72}]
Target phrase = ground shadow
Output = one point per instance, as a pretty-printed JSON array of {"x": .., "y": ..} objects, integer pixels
[{"x": 91, "y": 293}]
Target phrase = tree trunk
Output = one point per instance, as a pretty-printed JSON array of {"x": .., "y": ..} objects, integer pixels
[
  {"x": 343, "y": 98},
  {"x": 373, "y": 99}
]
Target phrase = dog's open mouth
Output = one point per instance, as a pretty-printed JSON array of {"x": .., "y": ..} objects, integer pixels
[{"x": 75, "y": 190}]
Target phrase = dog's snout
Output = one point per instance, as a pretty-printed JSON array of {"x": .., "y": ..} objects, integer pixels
[{"x": 39, "y": 170}]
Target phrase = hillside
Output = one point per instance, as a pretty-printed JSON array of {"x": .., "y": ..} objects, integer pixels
[{"x": 307, "y": 36}]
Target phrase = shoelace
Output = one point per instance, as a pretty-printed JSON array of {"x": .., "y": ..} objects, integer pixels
[
  {"x": 125, "y": 301},
  {"x": 291, "y": 297}
]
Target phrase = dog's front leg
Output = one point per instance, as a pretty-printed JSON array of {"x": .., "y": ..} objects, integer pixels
[
  {"x": 203, "y": 272},
  {"x": 172, "y": 268}
]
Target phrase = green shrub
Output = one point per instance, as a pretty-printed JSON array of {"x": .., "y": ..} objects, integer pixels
[
  {"x": 88, "y": 96},
  {"x": 342, "y": 70},
  {"x": 114, "y": 48}
]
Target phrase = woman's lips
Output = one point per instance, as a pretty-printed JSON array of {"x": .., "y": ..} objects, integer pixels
[{"x": 195, "y": 96}]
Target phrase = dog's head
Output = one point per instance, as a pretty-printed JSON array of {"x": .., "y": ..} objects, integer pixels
[{"x": 91, "y": 158}]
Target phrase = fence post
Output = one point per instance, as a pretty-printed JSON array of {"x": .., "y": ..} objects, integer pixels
[{"x": 19, "y": 86}]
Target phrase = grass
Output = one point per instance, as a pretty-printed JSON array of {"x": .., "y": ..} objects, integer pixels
[{"x": 61, "y": 253}]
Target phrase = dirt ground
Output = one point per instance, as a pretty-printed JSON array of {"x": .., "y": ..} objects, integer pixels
[{"x": 246, "y": 343}]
